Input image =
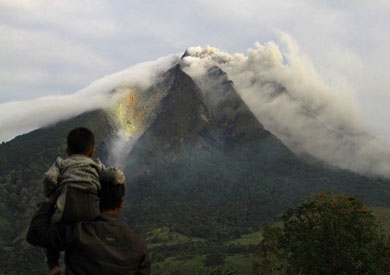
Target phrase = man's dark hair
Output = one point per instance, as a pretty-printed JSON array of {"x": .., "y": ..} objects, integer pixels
[
  {"x": 110, "y": 195},
  {"x": 80, "y": 140}
]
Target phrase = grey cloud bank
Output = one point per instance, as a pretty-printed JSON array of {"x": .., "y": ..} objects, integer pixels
[{"x": 19, "y": 117}]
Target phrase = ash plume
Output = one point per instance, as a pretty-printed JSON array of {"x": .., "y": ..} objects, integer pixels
[{"x": 289, "y": 97}]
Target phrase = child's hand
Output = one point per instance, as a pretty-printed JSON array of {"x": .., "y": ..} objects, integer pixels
[
  {"x": 52, "y": 199},
  {"x": 55, "y": 271}
]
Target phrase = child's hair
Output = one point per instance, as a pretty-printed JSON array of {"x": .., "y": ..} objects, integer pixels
[{"x": 80, "y": 141}]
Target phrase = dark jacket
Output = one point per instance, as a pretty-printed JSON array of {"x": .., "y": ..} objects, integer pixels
[{"x": 103, "y": 246}]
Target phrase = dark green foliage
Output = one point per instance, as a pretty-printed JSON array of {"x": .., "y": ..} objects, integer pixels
[
  {"x": 214, "y": 260},
  {"x": 327, "y": 234},
  {"x": 270, "y": 253}
]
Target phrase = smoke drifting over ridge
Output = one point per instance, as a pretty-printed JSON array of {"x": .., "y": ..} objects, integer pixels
[
  {"x": 288, "y": 96},
  {"x": 23, "y": 116}
]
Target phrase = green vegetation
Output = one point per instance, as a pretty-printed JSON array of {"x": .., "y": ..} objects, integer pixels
[
  {"x": 174, "y": 253},
  {"x": 165, "y": 237},
  {"x": 382, "y": 215},
  {"x": 247, "y": 239},
  {"x": 327, "y": 234}
]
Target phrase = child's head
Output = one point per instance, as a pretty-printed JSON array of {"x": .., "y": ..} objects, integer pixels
[{"x": 80, "y": 141}]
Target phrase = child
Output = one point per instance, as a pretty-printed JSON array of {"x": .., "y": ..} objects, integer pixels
[{"x": 75, "y": 181}]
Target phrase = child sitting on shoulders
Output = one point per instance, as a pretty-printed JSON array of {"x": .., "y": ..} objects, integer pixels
[{"x": 75, "y": 182}]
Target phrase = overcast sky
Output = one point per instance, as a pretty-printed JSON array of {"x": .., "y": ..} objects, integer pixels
[{"x": 50, "y": 47}]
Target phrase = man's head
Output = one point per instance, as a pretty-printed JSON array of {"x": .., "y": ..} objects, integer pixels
[
  {"x": 80, "y": 141},
  {"x": 112, "y": 192}
]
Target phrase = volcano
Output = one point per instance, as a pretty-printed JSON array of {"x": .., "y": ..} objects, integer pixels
[{"x": 201, "y": 169}]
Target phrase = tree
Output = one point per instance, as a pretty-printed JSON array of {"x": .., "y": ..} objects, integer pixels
[{"x": 327, "y": 234}]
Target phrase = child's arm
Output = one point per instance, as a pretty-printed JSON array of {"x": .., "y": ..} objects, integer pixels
[{"x": 51, "y": 178}]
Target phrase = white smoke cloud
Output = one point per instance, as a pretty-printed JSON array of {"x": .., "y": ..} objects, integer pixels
[
  {"x": 289, "y": 97},
  {"x": 23, "y": 116},
  {"x": 120, "y": 148}
]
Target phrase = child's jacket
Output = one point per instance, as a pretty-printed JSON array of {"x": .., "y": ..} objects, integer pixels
[{"x": 76, "y": 182}]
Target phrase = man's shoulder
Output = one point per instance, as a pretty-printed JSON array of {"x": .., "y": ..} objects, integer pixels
[
  {"x": 131, "y": 235},
  {"x": 106, "y": 225}
]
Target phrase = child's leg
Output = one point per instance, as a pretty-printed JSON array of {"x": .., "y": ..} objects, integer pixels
[
  {"x": 52, "y": 258},
  {"x": 52, "y": 255},
  {"x": 55, "y": 271},
  {"x": 59, "y": 207}
]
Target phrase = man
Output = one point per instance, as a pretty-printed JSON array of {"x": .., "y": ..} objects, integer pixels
[{"x": 102, "y": 246}]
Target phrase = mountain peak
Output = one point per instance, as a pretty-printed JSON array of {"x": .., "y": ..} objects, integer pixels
[{"x": 185, "y": 54}]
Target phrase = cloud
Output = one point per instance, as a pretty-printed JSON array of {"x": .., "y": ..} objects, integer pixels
[
  {"x": 68, "y": 44},
  {"x": 85, "y": 19},
  {"x": 43, "y": 46},
  {"x": 38, "y": 63}
]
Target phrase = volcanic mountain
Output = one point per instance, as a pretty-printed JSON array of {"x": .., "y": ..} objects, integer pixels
[{"x": 201, "y": 170}]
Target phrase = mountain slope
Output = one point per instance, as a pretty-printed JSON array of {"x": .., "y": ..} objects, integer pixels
[
  {"x": 227, "y": 176},
  {"x": 202, "y": 167}
]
